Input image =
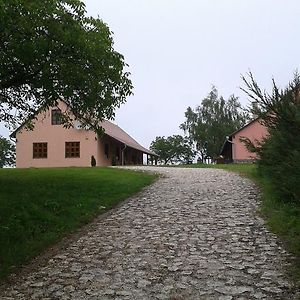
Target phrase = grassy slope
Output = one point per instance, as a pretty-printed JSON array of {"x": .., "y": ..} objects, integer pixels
[
  {"x": 282, "y": 218},
  {"x": 39, "y": 206}
]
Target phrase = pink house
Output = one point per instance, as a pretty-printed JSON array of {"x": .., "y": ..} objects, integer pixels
[
  {"x": 51, "y": 145},
  {"x": 234, "y": 150}
]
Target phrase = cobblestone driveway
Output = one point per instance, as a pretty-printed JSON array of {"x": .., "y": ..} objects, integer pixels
[{"x": 194, "y": 234}]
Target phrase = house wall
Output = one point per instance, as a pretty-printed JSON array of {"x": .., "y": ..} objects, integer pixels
[
  {"x": 255, "y": 132},
  {"x": 55, "y": 136}
]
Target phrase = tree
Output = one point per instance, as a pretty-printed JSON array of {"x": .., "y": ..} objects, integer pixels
[
  {"x": 49, "y": 50},
  {"x": 182, "y": 149},
  {"x": 280, "y": 152},
  {"x": 7, "y": 153},
  {"x": 93, "y": 161},
  {"x": 211, "y": 121},
  {"x": 172, "y": 149}
]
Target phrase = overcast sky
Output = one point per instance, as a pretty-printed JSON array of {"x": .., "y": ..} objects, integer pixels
[{"x": 176, "y": 50}]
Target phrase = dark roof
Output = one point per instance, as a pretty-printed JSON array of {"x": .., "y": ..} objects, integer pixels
[{"x": 119, "y": 134}]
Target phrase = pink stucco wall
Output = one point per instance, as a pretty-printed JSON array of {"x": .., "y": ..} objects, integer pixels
[
  {"x": 55, "y": 136},
  {"x": 254, "y": 131}
]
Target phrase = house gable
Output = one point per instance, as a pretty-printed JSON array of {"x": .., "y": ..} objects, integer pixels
[
  {"x": 49, "y": 144},
  {"x": 65, "y": 147},
  {"x": 235, "y": 150}
]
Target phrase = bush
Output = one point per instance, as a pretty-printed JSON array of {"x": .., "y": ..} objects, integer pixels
[
  {"x": 280, "y": 152},
  {"x": 280, "y": 161},
  {"x": 93, "y": 161}
]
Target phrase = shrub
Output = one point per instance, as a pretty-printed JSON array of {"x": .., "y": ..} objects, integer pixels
[
  {"x": 280, "y": 161},
  {"x": 93, "y": 161},
  {"x": 280, "y": 152}
]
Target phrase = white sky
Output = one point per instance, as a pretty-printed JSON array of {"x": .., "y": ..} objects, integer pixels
[{"x": 177, "y": 49}]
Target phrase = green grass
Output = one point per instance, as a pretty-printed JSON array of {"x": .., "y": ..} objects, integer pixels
[
  {"x": 282, "y": 217},
  {"x": 40, "y": 206}
]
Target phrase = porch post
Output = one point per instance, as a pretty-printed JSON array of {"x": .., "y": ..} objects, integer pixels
[{"x": 123, "y": 154}]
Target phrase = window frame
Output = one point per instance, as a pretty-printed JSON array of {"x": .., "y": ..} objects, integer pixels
[
  {"x": 56, "y": 116},
  {"x": 72, "y": 149},
  {"x": 40, "y": 150}
]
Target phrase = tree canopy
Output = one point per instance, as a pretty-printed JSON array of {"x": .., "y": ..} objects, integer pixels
[
  {"x": 51, "y": 49},
  {"x": 7, "y": 153},
  {"x": 172, "y": 149},
  {"x": 209, "y": 123}
]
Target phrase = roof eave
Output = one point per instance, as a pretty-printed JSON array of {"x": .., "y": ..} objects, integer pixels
[
  {"x": 246, "y": 125},
  {"x": 144, "y": 150}
]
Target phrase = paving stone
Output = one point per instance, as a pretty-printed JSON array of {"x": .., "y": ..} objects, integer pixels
[
  {"x": 124, "y": 293},
  {"x": 143, "y": 283},
  {"x": 225, "y": 298},
  {"x": 193, "y": 234}
]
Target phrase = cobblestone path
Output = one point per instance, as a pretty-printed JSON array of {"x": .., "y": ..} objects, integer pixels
[{"x": 194, "y": 234}]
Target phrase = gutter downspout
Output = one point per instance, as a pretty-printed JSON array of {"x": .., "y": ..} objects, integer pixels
[
  {"x": 233, "y": 147},
  {"x": 122, "y": 153},
  {"x": 13, "y": 139}
]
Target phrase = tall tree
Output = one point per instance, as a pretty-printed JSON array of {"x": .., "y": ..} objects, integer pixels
[
  {"x": 51, "y": 49},
  {"x": 172, "y": 149},
  {"x": 210, "y": 122},
  {"x": 7, "y": 153}
]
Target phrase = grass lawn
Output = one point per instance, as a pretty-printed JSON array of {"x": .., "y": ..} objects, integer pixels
[
  {"x": 40, "y": 206},
  {"x": 282, "y": 218}
]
